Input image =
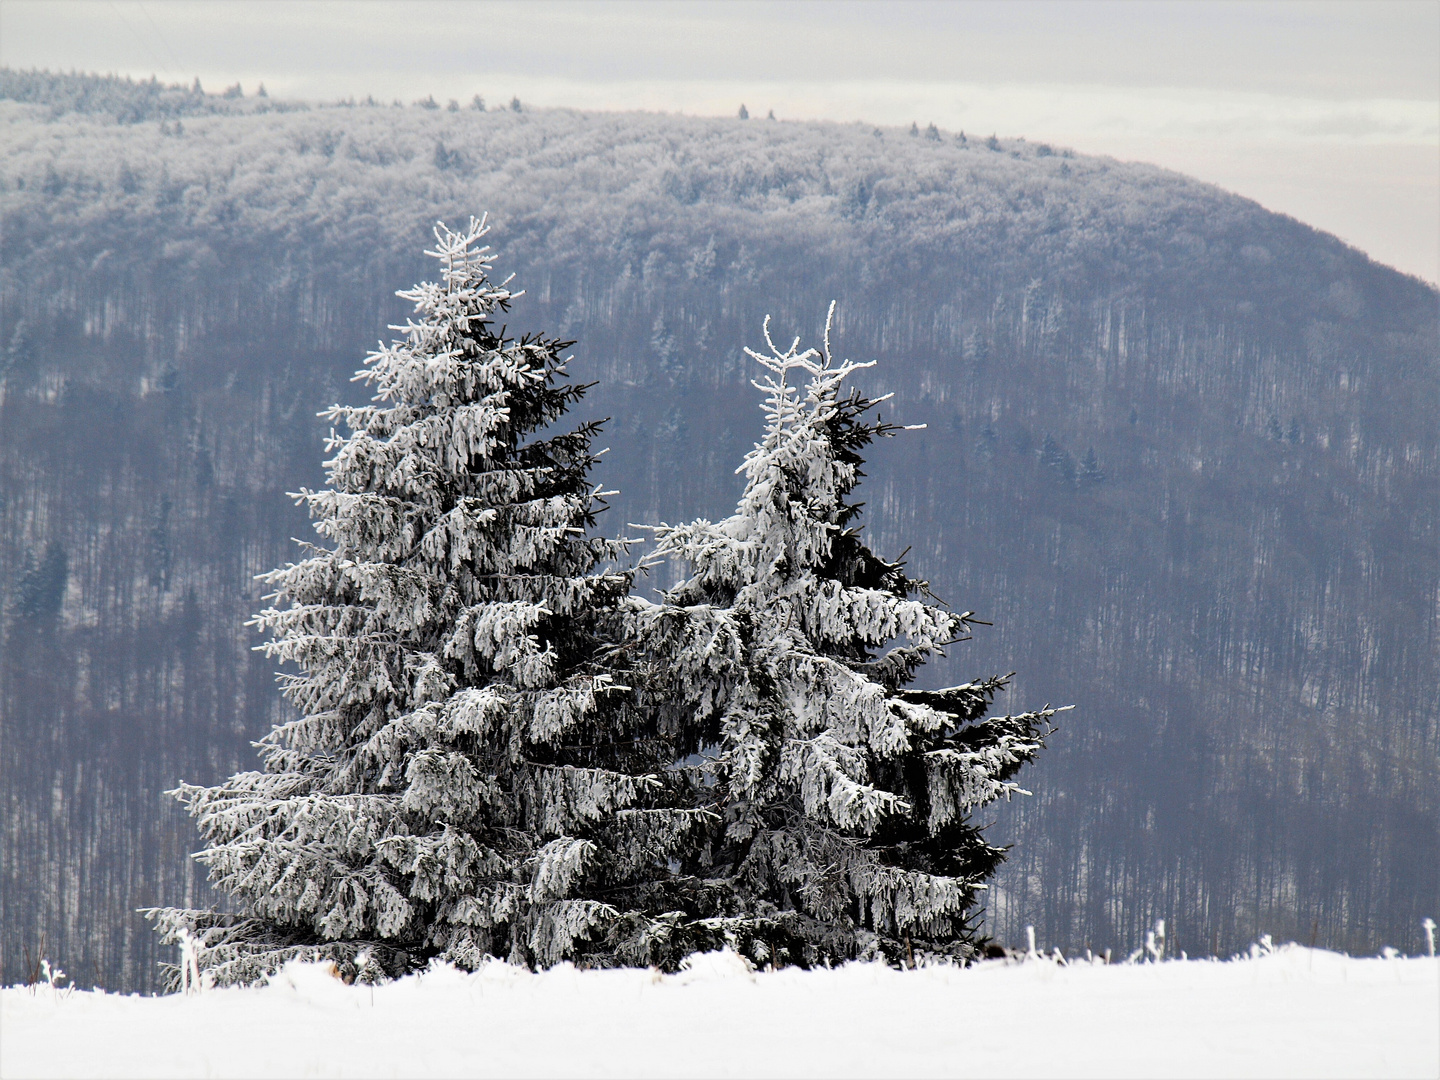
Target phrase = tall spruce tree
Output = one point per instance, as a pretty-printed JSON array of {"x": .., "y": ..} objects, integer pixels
[
  {"x": 469, "y": 774},
  {"x": 844, "y": 799}
]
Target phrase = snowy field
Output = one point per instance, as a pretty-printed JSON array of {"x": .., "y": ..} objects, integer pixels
[{"x": 1295, "y": 1012}]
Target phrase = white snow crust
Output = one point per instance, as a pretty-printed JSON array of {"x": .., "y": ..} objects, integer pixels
[{"x": 1295, "y": 1012}]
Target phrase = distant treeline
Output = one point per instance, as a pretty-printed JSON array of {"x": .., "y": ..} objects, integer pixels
[{"x": 129, "y": 102}]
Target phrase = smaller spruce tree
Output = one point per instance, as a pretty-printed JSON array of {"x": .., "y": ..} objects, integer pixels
[
  {"x": 843, "y": 798},
  {"x": 1058, "y": 462}
]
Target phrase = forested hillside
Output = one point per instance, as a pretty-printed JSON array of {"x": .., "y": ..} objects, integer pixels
[{"x": 1181, "y": 451}]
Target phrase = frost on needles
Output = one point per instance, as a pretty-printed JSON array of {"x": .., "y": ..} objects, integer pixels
[
  {"x": 843, "y": 799},
  {"x": 469, "y": 774},
  {"x": 501, "y": 752}
]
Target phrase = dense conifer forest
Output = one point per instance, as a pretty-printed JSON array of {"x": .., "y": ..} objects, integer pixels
[{"x": 1180, "y": 451}]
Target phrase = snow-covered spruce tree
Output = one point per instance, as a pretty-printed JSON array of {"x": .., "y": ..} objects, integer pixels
[
  {"x": 469, "y": 774},
  {"x": 844, "y": 799}
]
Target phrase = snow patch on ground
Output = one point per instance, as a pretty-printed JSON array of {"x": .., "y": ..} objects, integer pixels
[{"x": 1295, "y": 1012}]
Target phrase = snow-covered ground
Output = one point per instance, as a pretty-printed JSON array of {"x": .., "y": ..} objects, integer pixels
[{"x": 1296, "y": 1012}]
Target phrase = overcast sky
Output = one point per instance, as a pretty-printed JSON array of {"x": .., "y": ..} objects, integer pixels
[{"x": 1326, "y": 111}]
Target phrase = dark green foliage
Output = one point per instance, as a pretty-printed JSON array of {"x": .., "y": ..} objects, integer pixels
[
  {"x": 469, "y": 774},
  {"x": 161, "y": 553},
  {"x": 1058, "y": 462},
  {"x": 41, "y": 588},
  {"x": 842, "y": 801}
]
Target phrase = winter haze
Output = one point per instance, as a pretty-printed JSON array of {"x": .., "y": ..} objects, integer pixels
[{"x": 1172, "y": 331}]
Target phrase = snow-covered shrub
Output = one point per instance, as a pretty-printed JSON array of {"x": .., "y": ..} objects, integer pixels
[{"x": 844, "y": 800}]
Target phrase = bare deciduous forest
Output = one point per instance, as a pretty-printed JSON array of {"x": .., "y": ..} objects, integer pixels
[{"x": 1181, "y": 451}]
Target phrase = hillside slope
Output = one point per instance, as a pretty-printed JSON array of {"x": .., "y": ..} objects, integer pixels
[{"x": 1238, "y": 593}]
